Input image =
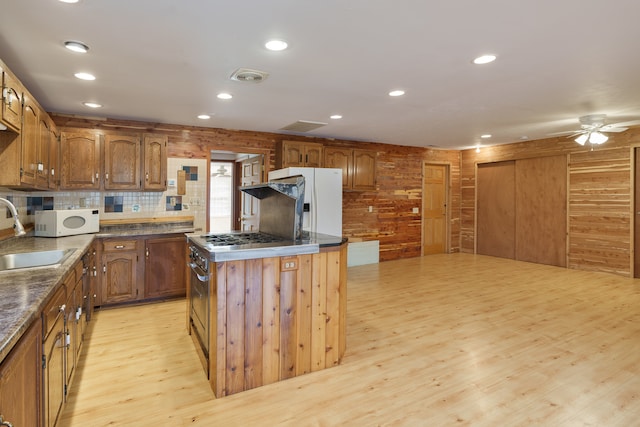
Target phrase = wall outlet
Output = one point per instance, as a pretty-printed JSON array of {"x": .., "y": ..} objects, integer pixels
[
  {"x": 416, "y": 210},
  {"x": 370, "y": 208}
]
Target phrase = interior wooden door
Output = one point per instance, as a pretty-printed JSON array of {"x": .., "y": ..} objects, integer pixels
[
  {"x": 496, "y": 209},
  {"x": 434, "y": 209},
  {"x": 541, "y": 210},
  {"x": 636, "y": 204},
  {"x": 250, "y": 206}
]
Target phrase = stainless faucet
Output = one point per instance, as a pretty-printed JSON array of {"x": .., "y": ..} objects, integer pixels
[{"x": 17, "y": 225}]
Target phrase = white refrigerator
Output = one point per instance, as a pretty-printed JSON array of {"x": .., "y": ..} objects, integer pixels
[{"x": 322, "y": 198}]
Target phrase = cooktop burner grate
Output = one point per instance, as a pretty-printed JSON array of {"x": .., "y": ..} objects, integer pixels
[{"x": 240, "y": 239}]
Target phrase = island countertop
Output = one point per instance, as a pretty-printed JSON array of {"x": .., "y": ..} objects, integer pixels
[{"x": 309, "y": 244}]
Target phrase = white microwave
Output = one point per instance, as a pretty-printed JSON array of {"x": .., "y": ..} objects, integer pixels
[{"x": 59, "y": 223}]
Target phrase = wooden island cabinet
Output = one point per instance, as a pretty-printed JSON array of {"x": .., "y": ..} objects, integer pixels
[{"x": 276, "y": 318}]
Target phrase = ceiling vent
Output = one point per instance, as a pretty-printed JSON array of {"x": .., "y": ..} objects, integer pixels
[
  {"x": 303, "y": 126},
  {"x": 249, "y": 75}
]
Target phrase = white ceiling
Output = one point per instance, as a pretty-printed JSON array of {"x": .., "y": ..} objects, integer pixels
[{"x": 165, "y": 61}]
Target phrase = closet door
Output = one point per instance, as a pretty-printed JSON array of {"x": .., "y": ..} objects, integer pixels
[
  {"x": 541, "y": 210},
  {"x": 496, "y": 209}
]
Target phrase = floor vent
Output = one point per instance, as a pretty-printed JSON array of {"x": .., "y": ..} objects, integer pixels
[{"x": 303, "y": 126}]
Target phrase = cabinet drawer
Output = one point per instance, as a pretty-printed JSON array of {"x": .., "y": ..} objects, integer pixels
[
  {"x": 119, "y": 245},
  {"x": 52, "y": 310}
]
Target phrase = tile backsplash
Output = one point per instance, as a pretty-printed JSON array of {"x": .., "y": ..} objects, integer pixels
[{"x": 121, "y": 205}]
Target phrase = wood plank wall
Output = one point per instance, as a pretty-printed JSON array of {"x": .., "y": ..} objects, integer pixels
[
  {"x": 600, "y": 201},
  {"x": 399, "y": 177}
]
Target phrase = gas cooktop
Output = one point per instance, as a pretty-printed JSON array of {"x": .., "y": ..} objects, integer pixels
[{"x": 237, "y": 239}]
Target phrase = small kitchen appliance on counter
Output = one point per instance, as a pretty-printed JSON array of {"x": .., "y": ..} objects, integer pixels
[{"x": 69, "y": 222}]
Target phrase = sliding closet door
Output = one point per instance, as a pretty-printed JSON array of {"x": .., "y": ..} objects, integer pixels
[
  {"x": 496, "y": 214},
  {"x": 541, "y": 210}
]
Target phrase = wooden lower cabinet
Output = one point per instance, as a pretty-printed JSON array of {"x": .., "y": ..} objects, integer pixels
[
  {"x": 53, "y": 380},
  {"x": 125, "y": 278},
  {"x": 276, "y": 318},
  {"x": 20, "y": 381},
  {"x": 164, "y": 272},
  {"x": 119, "y": 279}
]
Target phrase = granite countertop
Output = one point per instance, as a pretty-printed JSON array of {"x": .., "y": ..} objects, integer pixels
[
  {"x": 309, "y": 244},
  {"x": 24, "y": 292}
]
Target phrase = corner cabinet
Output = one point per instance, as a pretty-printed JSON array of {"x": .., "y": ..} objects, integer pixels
[
  {"x": 298, "y": 154},
  {"x": 358, "y": 167},
  {"x": 20, "y": 381}
]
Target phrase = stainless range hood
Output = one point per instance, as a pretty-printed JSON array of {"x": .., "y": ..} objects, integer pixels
[{"x": 281, "y": 205}]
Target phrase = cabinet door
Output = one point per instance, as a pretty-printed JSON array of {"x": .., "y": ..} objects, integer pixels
[
  {"x": 71, "y": 331},
  {"x": 29, "y": 164},
  {"x": 341, "y": 158},
  {"x": 20, "y": 386},
  {"x": 292, "y": 154},
  {"x": 53, "y": 377},
  {"x": 54, "y": 158},
  {"x": 11, "y": 101},
  {"x": 80, "y": 161},
  {"x": 164, "y": 267},
  {"x": 155, "y": 162},
  {"x": 119, "y": 271},
  {"x": 44, "y": 134},
  {"x": 364, "y": 170},
  {"x": 122, "y": 162},
  {"x": 313, "y": 155}
]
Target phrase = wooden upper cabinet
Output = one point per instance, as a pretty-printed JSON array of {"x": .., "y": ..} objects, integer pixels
[
  {"x": 298, "y": 154},
  {"x": 44, "y": 134},
  {"x": 155, "y": 162},
  {"x": 358, "y": 166},
  {"x": 122, "y": 162},
  {"x": 11, "y": 111},
  {"x": 30, "y": 141},
  {"x": 341, "y": 158},
  {"x": 81, "y": 161},
  {"x": 53, "y": 173},
  {"x": 364, "y": 169}
]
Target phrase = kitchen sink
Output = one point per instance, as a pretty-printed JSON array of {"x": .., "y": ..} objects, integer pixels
[{"x": 34, "y": 259}]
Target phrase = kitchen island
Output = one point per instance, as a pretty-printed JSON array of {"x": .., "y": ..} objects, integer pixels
[{"x": 267, "y": 312}]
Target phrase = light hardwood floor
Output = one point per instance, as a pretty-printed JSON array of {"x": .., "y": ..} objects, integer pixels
[{"x": 442, "y": 340}]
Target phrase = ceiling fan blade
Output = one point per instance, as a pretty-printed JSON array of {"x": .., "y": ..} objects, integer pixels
[
  {"x": 568, "y": 132},
  {"x": 611, "y": 128}
]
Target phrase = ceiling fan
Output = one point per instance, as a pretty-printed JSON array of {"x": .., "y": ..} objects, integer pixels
[
  {"x": 221, "y": 171},
  {"x": 593, "y": 129}
]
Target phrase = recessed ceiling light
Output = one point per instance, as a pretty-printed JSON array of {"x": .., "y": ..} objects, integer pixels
[
  {"x": 485, "y": 136},
  {"x": 335, "y": 116},
  {"x": 276, "y": 45},
  {"x": 204, "y": 117},
  {"x": 85, "y": 76},
  {"x": 224, "y": 95},
  {"x": 92, "y": 104},
  {"x": 69, "y": 1},
  {"x": 396, "y": 93},
  {"x": 484, "y": 59},
  {"x": 76, "y": 46}
]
